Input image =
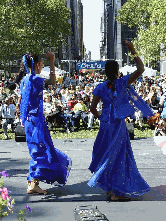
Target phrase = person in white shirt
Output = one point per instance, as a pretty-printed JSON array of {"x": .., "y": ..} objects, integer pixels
[
  {"x": 8, "y": 115},
  {"x": 47, "y": 105}
]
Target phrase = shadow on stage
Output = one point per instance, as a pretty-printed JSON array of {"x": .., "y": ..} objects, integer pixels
[
  {"x": 8, "y": 163},
  {"x": 82, "y": 192},
  {"x": 140, "y": 138},
  {"x": 157, "y": 193}
]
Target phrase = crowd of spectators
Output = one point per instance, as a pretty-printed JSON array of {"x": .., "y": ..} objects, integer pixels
[{"x": 67, "y": 105}]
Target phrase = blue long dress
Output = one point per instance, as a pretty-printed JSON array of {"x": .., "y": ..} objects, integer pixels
[
  {"x": 113, "y": 165},
  {"x": 48, "y": 164}
]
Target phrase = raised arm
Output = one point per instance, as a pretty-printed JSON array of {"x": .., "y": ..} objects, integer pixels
[
  {"x": 51, "y": 57},
  {"x": 139, "y": 64}
]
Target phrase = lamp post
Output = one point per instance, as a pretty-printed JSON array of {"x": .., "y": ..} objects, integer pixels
[
  {"x": 127, "y": 58},
  {"x": 69, "y": 64}
]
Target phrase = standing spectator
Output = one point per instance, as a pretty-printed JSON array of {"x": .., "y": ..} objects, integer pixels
[
  {"x": 8, "y": 116},
  {"x": 3, "y": 94}
]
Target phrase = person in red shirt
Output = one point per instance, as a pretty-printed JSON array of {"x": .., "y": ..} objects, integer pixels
[
  {"x": 1, "y": 84},
  {"x": 75, "y": 76},
  {"x": 72, "y": 101}
]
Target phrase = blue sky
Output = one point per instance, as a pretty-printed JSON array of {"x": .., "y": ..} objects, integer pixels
[{"x": 92, "y": 11}]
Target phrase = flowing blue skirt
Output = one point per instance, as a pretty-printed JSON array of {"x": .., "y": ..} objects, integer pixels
[
  {"x": 48, "y": 164},
  {"x": 113, "y": 165}
]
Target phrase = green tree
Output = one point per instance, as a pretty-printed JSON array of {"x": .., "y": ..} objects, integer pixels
[
  {"x": 149, "y": 19},
  {"x": 29, "y": 26}
]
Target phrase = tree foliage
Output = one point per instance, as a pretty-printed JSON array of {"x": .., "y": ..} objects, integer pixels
[
  {"x": 149, "y": 19},
  {"x": 29, "y": 26}
]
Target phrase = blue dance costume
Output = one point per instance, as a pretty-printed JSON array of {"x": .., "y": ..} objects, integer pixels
[
  {"x": 113, "y": 165},
  {"x": 163, "y": 114},
  {"x": 48, "y": 164}
]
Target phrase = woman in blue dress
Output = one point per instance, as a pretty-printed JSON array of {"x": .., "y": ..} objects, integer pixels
[
  {"x": 47, "y": 163},
  {"x": 113, "y": 165}
]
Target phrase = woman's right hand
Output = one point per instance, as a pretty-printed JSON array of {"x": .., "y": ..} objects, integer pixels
[
  {"x": 50, "y": 55},
  {"x": 130, "y": 46}
]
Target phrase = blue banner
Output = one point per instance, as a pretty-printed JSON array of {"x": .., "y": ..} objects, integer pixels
[{"x": 90, "y": 65}]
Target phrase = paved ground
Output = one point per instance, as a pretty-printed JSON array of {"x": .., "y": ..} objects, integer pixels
[{"x": 59, "y": 205}]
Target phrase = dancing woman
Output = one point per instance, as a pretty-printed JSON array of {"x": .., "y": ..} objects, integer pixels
[
  {"x": 48, "y": 164},
  {"x": 113, "y": 165}
]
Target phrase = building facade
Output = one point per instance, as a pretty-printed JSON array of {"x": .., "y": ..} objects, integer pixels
[
  {"x": 113, "y": 34},
  {"x": 73, "y": 48}
]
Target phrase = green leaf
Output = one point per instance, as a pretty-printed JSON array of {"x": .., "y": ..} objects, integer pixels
[{"x": 148, "y": 18}]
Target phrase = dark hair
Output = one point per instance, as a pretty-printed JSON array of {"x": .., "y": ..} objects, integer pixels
[
  {"x": 111, "y": 69},
  {"x": 22, "y": 72},
  {"x": 35, "y": 57}
]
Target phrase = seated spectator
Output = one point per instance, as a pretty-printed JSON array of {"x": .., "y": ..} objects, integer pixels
[
  {"x": 152, "y": 91},
  {"x": 162, "y": 102},
  {"x": 91, "y": 90},
  {"x": 72, "y": 90},
  {"x": 154, "y": 120},
  {"x": 145, "y": 96},
  {"x": 1, "y": 84},
  {"x": 15, "y": 99},
  {"x": 72, "y": 102},
  {"x": 60, "y": 116},
  {"x": 55, "y": 116},
  {"x": 62, "y": 92},
  {"x": 67, "y": 94},
  {"x": 139, "y": 118},
  {"x": 154, "y": 103},
  {"x": 53, "y": 91},
  {"x": 8, "y": 115},
  {"x": 91, "y": 116},
  {"x": 80, "y": 112},
  {"x": 79, "y": 90},
  {"x": 3, "y": 94},
  {"x": 72, "y": 81},
  {"x": 59, "y": 79},
  {"x": 47, "y": 105},
  {"x": 160, "y": 129},
  {"x": 59, "y": 101},
  {"x": 66, "y": 82},
  {"x": 86, "y": 100},
  {"x": 87, "y": 90}
]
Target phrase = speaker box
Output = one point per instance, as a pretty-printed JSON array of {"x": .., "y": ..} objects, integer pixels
[{"x": 20, "y": 134}]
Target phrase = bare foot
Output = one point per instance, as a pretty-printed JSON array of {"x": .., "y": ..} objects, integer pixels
[
  {"x": 33, "y": 187},
  {"x": 108, "y": 193},
  {"x": 114, "y": 197},
  {"x": 36, "y": 189}
]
